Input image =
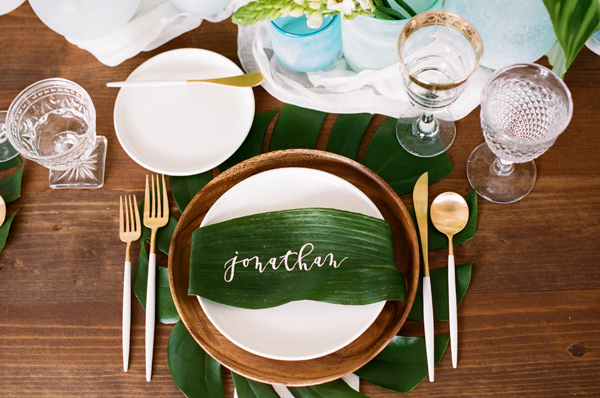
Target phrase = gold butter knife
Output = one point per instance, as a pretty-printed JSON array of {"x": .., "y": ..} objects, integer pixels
[
  {"x": 421, "y": 201},
  {"x": 247, "y": 80}
]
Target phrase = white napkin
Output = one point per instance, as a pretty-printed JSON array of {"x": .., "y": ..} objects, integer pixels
[
  {"x": 338, "y": 89},
  {"x": 352, "y": 380},
  {"x": 155, "y": 23}
]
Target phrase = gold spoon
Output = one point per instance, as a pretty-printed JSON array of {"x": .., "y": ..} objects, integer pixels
[
  {"x": 247, "y": 80},
  {"x": 2, "y": 210},
  {"x": 449, "y": 214}
]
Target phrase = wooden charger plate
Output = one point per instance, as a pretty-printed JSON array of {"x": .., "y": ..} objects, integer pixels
[{"x": 316, "y": 370}]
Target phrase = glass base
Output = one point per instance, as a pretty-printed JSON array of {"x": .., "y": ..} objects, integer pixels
[
  {"x": 88, "y": 175},
  {"x": 425, "y": 144},
  {"x": 495, "y": 187}
]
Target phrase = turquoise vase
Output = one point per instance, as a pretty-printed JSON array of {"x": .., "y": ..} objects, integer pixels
[
  {"x": 371, "y": 43},
  {"x": 303, "y": 49}
]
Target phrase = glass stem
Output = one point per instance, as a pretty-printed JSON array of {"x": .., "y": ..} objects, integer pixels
[
  {"x": 427, "y": 126},
  {"x": 502, "y": 167}
]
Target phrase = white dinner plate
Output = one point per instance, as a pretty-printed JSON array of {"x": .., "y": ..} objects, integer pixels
[
  {"x": 298, "y": 330},
  {"x": 183, "y": 130}
]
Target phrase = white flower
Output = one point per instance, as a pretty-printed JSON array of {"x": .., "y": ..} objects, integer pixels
[
  {"x": 346, "y": 7},
  {"x": 314, "y": 20}
]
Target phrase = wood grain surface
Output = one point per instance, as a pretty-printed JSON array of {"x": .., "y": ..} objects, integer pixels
[{"x": 529, "y": 324}]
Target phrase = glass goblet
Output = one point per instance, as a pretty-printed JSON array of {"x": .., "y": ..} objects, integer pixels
[
  {"x": 53, "y": 123},
  {"x": 7, "y": 152},
  {"x": 439, "y": 51},
  {"x": 524, "y": 108}
]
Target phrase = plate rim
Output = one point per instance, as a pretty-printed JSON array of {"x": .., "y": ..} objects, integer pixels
[
  {"x": 303, "y": 372},
  {"x": 143, "y": 66}
]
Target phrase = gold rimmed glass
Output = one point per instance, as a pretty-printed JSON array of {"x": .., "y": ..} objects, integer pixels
[{"x": 439, "y": 51}]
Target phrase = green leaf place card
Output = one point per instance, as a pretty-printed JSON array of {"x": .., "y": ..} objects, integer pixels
[{"x": 269, "y": 259}]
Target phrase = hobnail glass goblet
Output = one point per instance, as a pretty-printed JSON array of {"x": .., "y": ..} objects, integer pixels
[
  {"x": 439, "y": 51},
  {"x": 53, "y": 123},
  {"x": 524, "y": 108}
]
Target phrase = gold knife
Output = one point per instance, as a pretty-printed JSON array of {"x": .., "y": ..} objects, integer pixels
[{"x": 421, "y": 203}]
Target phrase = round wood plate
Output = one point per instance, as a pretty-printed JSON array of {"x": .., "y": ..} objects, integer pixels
[{"x": 317, "y": 370}]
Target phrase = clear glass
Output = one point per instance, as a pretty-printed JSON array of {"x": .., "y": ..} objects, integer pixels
[
  {"x": 439, "y": 51},
  {"x": 524, "y": 108},
  {"x": 7, "y": 152},
  {"x": 302, "y": 49},
  {"x": 53, "y": 123}
]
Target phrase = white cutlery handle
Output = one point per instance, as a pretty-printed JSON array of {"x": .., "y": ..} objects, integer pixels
[
  {"x": 153, "y": 83},
  {"x": 150, "y": 313},
  {"x": 428, "y": 320},
  {"x": 452, "y": 310},
  {"x": 126, "y": 314}
]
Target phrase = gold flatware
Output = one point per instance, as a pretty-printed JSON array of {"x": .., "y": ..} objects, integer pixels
[
  {"x": 420, "y": 200},
  {"x": 2, "y": 210},
  {"x": 449, "y": 214},
  {"x": 247, "y": 80},
  {"x": 130, "y": 229},
  {"x": 156, "y": 215}
]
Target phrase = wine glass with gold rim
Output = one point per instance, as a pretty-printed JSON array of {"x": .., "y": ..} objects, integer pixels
[{"x": 439, "y": 51}]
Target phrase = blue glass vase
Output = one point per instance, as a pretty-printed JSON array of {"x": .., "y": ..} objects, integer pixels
[
  {"x": 303, "y": 49},
  {"x": 371, "y": 43}
]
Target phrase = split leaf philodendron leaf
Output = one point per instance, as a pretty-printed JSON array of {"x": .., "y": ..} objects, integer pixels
[
  {"x": 268, "y": 259},
  {"x": 439, "y": 287},
  {"x": 10, "y": 187},
  {"x": 439, "y": 241},
  {"x": 10, "y": 163},
  {"x": 247, "y": 388},
  {"x": 165, "y": 307},
  {"x": 573, "y": 22},
  {"x": 185, "y": 188},
  {"x": 337, "y": 388},
  {"x": 402, "y": 365},
  {"x": 296, "y": 128},
  {"x": 252, "y": 145},
  {"x": 5, "y": 229},
  {"x": 347, "y": 133},
  {"x": 386, "y": 157},
  {"x": 195, "y": 373}
]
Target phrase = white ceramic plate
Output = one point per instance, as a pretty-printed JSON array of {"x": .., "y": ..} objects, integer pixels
[
  {"x": 183, "y": 130},
  {"x": 298, "y": 330}
]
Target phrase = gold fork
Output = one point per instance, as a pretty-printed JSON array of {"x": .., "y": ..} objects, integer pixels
[
  {"x": 130, "y": 229},
  {"x": 156, "y": 215}
]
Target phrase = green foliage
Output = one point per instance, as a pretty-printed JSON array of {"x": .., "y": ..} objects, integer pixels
[
  {"x": 247, "y": 388},
  {"x": 439, "y": 286},
  {"x": 195, "y": 373},
  {"x": 228, "y": 259},
  {"x": 337, "y": 388},
  {"x": 402, "y": 365},
  {"x": 401, "y": 170},
  {"x": 10, "y": 190},
  {"x": 165, "y": 307},
  {"x": 574, "y": 22}
]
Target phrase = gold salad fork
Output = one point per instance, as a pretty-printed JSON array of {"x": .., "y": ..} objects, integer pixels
[
  {"x": 156, "y": 215},
  {"x": 130, "y": 229}
]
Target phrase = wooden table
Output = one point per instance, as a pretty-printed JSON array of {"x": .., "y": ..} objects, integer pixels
[{"x": 529, "y": 324}]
